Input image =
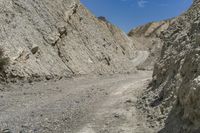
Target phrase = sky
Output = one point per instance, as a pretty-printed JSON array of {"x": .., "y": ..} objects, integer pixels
[{"x": 128, "y": 14}]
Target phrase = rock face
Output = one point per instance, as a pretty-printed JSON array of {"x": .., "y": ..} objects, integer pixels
[
  {"x": 147, "y": 38},
  {"x": 120, "y": 37},
  {"x": 176, "y": 75},
  {"x": 59, "y": 38}
]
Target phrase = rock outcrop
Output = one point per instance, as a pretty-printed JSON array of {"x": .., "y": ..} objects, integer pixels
[
  {"x": 176, "y": 75},
  {"x": 120, "y": 37},
  {"x": 147, "y": 38},
  {"x": 54, "y": 38}
]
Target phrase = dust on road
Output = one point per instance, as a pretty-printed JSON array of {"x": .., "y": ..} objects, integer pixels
[{"x": 85, "y": 104}]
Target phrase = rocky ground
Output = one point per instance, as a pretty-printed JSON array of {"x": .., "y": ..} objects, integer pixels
[
  {"x": 84, "y": 104},
  {"x": 79, "y": 105}
]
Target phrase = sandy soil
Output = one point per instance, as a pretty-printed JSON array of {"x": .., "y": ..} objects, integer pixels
[
  {"x": 78, "y": 105},
  {"x": 141, "y": 56},
  {"x": 86, "y": 104}
]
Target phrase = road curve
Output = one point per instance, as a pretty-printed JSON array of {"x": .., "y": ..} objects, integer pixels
[{"x": 141, "y": 56}]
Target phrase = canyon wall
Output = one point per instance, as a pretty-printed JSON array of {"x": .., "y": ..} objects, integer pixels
[
  {"x": 176, "y": 75},
  {"x": 48, "y": 38}
]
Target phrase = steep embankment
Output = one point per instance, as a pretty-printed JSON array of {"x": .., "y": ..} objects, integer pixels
[
  {"x": 59, "y": 38},
  {"x": 120, "y": 37},
  {"x": 146, "y": 38},
  {"x": 176, "y": 75}
]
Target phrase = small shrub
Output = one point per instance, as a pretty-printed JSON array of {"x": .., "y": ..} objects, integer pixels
[{"x": 3, "y": 60}]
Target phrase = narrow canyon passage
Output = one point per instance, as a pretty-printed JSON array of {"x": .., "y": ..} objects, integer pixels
[{"x": 117, "y": 66}]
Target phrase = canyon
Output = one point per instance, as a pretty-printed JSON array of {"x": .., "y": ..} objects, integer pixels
[{"x": 72, "y": 72}]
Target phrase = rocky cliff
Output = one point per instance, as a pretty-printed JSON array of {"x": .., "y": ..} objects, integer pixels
[
  {"x": 176, "y": 75},
  {"x": 120, "y": 37},
  {"x": 147, "y": 38},
  {"x": 48, "y": 38}
]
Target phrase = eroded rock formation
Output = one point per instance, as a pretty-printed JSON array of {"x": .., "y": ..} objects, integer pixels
[
  {"x": 48, "y": 38},
  {"x": 176, "y": 75}
]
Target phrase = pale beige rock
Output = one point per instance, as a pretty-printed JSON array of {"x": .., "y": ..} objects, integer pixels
[
  {"x": 69, "y": 40},
  {"x": 176, "y": 75}
]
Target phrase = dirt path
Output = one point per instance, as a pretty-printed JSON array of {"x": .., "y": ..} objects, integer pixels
[
  {"x": 141, "y": 56},
  {"x": 79, "y": 105},
  {"x": 88, "y": 104},
  {"x": 117, "y": 114}
]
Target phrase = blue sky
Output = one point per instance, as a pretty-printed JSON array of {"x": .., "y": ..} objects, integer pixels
[{"x": 128, "y": 14}]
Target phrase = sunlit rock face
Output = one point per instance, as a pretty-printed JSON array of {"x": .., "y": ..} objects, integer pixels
[
  {"x": 177, "y": 72},
  {"x": 59, "y": 38}
]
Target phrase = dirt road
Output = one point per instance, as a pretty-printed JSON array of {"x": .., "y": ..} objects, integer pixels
[
  {"x": 78, "y": 105},
  {"x": 88, "y": 104},
  {"x": 141, "y": 56}
]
